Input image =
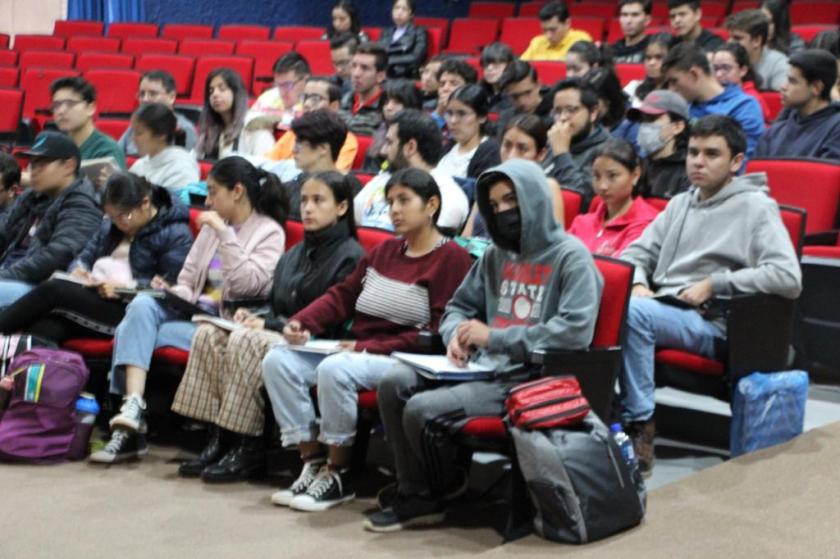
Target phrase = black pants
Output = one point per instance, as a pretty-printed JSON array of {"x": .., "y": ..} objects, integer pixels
[{"x": 59, "y": 310}]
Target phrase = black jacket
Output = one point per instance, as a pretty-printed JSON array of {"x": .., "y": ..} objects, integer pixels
[
  {"x": 65, "y": 223},
  {"x": 407, "y": 54},
  {"x": 666, "y": 177},
  {"x": 487, "y": 155},
  {"x": 573, "y": 170},
  {"x": 543, "y": 111},
  {"x": 306, "y": 271},
  {"x": 159, "y": 248}
]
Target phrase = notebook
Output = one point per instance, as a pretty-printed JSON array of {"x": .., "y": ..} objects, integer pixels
[
  {"x": 222, "y": 323},
  {"x": 323, "y": 347},
  {"x": 439, "y": 367}
]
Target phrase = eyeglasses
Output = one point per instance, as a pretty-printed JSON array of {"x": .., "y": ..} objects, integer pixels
[
  {"x": 559, "y": 111},
  {"x": 314, "y": 97},
  {"x": 287, "y": 85},
  {"x": 69, "y": 103},
  {"x": 123, "y": 217},
  {"x": 723, "y": 68}
]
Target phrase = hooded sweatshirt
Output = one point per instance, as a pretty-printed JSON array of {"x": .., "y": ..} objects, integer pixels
[
  {"x": 736, "y": 238},
  {"x": 816, "y": 135},
  {"x": 174, "y": 167},
  {"x": 573, "y": 170},
  {"x": 735, "y": 103},
  {"x": 545, "y": 295}
]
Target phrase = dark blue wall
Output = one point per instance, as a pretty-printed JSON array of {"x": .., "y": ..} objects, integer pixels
[{"x": 302, "y": 12}]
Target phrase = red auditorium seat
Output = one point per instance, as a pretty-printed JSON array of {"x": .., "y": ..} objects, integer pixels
[
  {"x": 530, "y": 9},
  {"x": 113, "y": 127},
  {"x": 491, "y": 9},
  {"x": 364, "y": 178},
  {"x": 517, "y": 32},
  {"x": 572, "y": 205},
  {"x": 593, "y": 25},
  {"x": 38, "y": 42},
  {"x": 75, "y": 28},
  {"x": 124, "y": 30},
  {"x": 441, "y": 23},
  {"x": 205, "y": 47},
  {"x": 470, "y": 36},
  {"x": 371, "y": 237},
  {"x": 98, "y": 44},
  {"x": 714, "y": 10},
  {"x": 9, "y": 76},
  {"x": 116, "y": 89},
  {"x": 144, "y": 45},
  {"x": 88, "y": 60},
  {"x": 91, "y": 348},
  {"x": 317, "y": 53},
  {"x": 811, "y": 184},
  {"x": 815, "y": 12},
  {"x": 373, "y": 33},
  {"x": 601, "y": 11},
  {"x": 294, "y": 232},
  {"x": 295, "y": 33},
  {"x": 46, "y": 59},
  {"x": 8, "y": 57},
  {"x": 364, "y": 145},
  {"x": 809, "y": 31},
  {"x": 243, "y": 65},
  {"x": 239, "y": 32},
  {"x": 629, "y": 72},
  {"x": 204, "y": 168},
  {"x": 549, "y": 72},
  {"x": 720, "y": 32},
  {"x": 434, "y": 41},
  {"x": 12, "y": 102},
  {"x": 4, "y": 40},
  {"x": 182, "y": 69},
  {"x": 773, "y": 100},
  {"x": 36, "y": 83},
  {"x": 180, "y": 31},
  {"x": 265, "y": 54}
]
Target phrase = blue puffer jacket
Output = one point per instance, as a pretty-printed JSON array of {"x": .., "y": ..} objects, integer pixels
[{"x": 159, "y": 248}]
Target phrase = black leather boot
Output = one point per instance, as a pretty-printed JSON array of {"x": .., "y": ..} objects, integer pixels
[
  {"x": 243, "y": 461},
  {"x": 217, "y": 445}
]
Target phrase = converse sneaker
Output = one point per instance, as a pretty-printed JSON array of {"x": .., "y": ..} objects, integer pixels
[
  {"x": 406, "y": 512},
  {"x": 123, "y": 446},
  {"x": 388, "y": 494},
  {"x": 131, "y": 414},
  {"x": 307, "y": 476},
  {"x": 327, "y": 490}
]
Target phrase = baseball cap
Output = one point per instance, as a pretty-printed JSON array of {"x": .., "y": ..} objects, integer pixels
[
  {"x": 658, "y": 102},
  {"x": 53, "y": 145}
]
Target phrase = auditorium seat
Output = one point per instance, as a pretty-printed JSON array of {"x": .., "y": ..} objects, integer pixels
[
  {"x": 9, "y": 77},
  {"x": 317, "y": 54},
  {"x": 530, "y": 9},
  {"x": 35, "y": 82},
  {"x": 87, "y": 60},
  {"x": 470, "y": 36},
  {"x": 46, "y": 59},
  {"x": 809, "y": 31},
  {"x": 586, "y": 9},
  {"x": 295, "y": 33},
  {"x": 116, "y": 90},
  {"x": 373, "y": 33},
  {"x": 827, "y": 12},
  {"x": 38, "y": 42},
  {"x": 4, "y": 40},
  {"x": 75, "y": 28},
  {"x": 204, "y": 168},
  {"x": 237, "y": 32},
  {"x": 180, "y": 31},
  {"x": 371, "y": 237},
  {"x": 11, "y": 99},
  {"x": 8, "y": 57},
  {"x": 491, "y": 10},
  {"x": 265, "y": 54},
  {"x": 572, "y": 205},
  {"x": 549, "y": 72},
  {"x": 434, "y": 41},
  {"x": 113, "y": 127},
  {"x": 124, "y": 30},
  {"x": 364, "y": 178},
  {"x": 629, "y": 72},
  {"x": 517, "y": 32},
  {"x": 441, "y": 23},
  {"x": 205, "y": 47},
  {"x": 773, "y": 100},
  {"x": 364, "y": 143},
  {"x": 149, "y": 45},
  {"x": 294, "y": 232},
  {"x": 182, "y": 69},
  {"x": 97, "y": 44}
]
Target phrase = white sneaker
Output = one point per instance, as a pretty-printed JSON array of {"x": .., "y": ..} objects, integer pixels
[
  {"x": 131, "y": 414},
  {"x": 307, "y": 475},
  {"x": 329, "y": 489}
]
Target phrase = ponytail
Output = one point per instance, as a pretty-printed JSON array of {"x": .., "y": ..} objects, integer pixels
[
  {"x": 273, "y": 198},
  {"x": 266, "y": 193}
]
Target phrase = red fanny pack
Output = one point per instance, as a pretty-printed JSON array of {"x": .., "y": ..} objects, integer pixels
[{"x": 546, "y": 403}]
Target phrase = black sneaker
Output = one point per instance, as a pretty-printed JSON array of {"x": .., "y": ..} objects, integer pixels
[
  {"x": 122, "y": 447},
  {"x": 406, "y": 512},
  {"x": 330, "y": 488},
  {"x": 388, "y": 494}
]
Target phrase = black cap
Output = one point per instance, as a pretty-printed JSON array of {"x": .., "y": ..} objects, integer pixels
[{"x": 53, "y": 145}]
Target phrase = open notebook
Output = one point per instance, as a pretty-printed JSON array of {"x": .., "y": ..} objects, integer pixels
[{"x": 439, "y": 367}]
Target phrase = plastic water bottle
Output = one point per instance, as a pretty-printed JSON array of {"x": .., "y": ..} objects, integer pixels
[
  {"x": 626, "y": 445},
  {"x": 86, "y": 411}
]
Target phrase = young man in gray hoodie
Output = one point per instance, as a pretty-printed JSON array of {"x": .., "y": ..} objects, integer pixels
[
  {"x": 723, "y": 236},
  {"x": 534, "y": 287}
]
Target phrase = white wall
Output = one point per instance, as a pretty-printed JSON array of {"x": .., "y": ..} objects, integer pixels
[{"x": 30, "y": 16}]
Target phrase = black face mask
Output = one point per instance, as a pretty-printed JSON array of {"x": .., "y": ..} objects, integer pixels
[{"x": 509, "y": 224}]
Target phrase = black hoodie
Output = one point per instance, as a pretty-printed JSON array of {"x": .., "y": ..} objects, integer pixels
[
  {"x": 816, "y": 135},
  {"x": 667, "y": 177},
  {"x": 573, "y": 170}
]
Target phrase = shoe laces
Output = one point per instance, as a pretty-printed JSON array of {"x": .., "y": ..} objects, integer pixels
[
  {"x": 306, "y": 477},
  {"x": 324, "y": 482},
  {"x": 118, "y": 439},
  {"x": 132, "y": 407}
]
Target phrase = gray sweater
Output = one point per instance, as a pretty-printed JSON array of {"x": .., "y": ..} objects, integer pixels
[
  {"x": 773, "y": 69},
  {"x": 736, "y": 237}
]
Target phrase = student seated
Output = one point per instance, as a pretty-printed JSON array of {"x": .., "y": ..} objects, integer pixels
[
  {"x": 829, "y": 40},
  {"x": 534, "y": 287},
  {"x": 405, "y": 42},
  {"x": 49, "y": 224},
  {"x": 686, "y": 19},
  {"x": 779, "y": 35},
  {"x": 361, "y": 107},
  {"x": 663, "y": 137},
  {"x": 162, "y": 163},
  {"x": 396, "y": 291},
  {"x": 557, "y": 35},
  {"x": 494, "y": 59},
  {"x": 750, "y": 28},
  {"x": 222, "y": 384},
  {"x": 158, "y": 86},
  {"x": 655, "y": 52},
  {"x": 240, "y": 241},
  {"x": 810, "y": 124},
  {"x": 144, "y": 234},
  {"x": 521, "y": 86},
  {"x": 396, "y": 96},
  {"x": 723, "y": 236},
  {"x": 634, "y": 18},
  {"x": 280, "y": 104},
  {"x": 342, "y": 49},
  {"x": 344, "y": 19},
  {"x": 9, "y": 183},
  {"x": 453, "y": 74},
  {"x": 689, "y": 73},
  {"x": 731, "y": 65},
  {"x": 584, "y": 56},
  {"x": 222, "y": 130},
  {"x": 473, "y": 150},
  {"x": 413, "y": 140},
  {"x": 429, "y": 81},
  {"x": 623, "y": 214}
]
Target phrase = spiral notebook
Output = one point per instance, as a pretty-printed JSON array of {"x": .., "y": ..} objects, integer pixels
[{"x": 439, "y": 367}]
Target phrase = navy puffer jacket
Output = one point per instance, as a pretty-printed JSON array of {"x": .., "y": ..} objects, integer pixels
[{"x": 159, "y": 248}]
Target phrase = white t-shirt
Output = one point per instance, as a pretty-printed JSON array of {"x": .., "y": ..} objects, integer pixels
[
  {"x": 456, "y": 163},
  {"x": 371, "y": 209}
]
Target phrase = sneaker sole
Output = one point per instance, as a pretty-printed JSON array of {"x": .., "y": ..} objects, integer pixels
[
  {"x": 420, "y": 521},
  {"x": 312, "y": 506},
  {"x": 126, "y": 424},
  {"x": 117, "y": 459},
  {"x": 283, "y": 500}
]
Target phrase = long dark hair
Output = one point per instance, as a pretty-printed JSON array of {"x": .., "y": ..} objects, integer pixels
[
  {"x": 159, "y": 119},
  {"x": 475, "y": 97},
  {"x": 742, "y": 59},
  {"x": 781, "y": 24},
  {"x": 421, "y": 182},
  {"x": 342, "y": 191},
  {"x": 608, "y": 87},
  {"x": 622, "y": 152},
  {"x": 648, "y": 85},
  {"x": 126, "y": 191},
  {"x": 264, "y": 190},
  {"x": 211, "y": 124},
  {"x": 533, "y": 126},
  {"x": 350, "y": 9}
]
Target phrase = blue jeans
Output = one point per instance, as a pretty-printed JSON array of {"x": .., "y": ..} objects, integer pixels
[
  {"x": 147, "y": 325},
  {"x": 651, "y": 324},
  {"x": 11, "y": 291},
  {"x": 288, "y": 375}
]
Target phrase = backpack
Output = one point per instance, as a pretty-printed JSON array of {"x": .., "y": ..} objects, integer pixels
[
  {"x": 578, "y": 482},
  {"x": 39, "y": 424},
  {"x": 12, "y": 345}
]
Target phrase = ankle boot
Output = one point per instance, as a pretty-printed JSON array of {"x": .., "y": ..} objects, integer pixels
[
  {"x": 243, "y": 461},
  {"x": 217, "y": 445}
]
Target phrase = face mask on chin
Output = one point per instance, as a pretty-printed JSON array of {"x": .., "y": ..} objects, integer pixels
[{"x": 509, "y": 226}]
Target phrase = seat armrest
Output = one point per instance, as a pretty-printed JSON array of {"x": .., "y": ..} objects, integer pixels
[
  {"x": 823, "y": 238},
  {"x": 431, "y": 342}
]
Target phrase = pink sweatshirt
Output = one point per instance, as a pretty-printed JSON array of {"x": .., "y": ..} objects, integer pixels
[{"x": 612, "y": 238}]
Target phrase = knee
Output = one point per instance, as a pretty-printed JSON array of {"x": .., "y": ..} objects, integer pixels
[
  {"x": 141, "y": 304},
  {"x": 335, "y": 372},
  {"x": 204, "y": 334},
  {"x": 418, "y": 411},
  {"x": 639, "y": 312},
  {"x": 274, "y": 367},
  {"x": 394, "y": 383}
]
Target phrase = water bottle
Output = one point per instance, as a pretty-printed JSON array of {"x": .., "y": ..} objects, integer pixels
[
  {"x": 625, "y": 444},
  {"x": 86, "y": 412}
]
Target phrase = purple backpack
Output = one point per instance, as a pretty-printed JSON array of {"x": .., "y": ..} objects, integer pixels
[{"x": 39, "y": 424}]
